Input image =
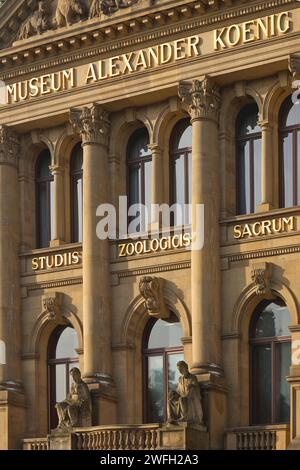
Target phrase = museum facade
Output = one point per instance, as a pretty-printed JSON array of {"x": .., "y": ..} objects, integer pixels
[{"x": 150, "y": 102}]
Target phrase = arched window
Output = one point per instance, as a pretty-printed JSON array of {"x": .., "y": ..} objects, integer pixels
[
  {"x": 62, "y": 357},
  {"x": 44, "y": 199},
  {"x": 76, "y": 171},
  {"x": 181, "y": 168},
  {"x": 162, "y": 349},
  {"x": 289, "y": 129},
  {"x": 248, "y": 142},
  {"x": 139, "y": 162},
  {"x": 270, "y": 361}
]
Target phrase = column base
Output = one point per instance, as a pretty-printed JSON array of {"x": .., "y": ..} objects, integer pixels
[
  {"x": 183, "y": 436},
  {"x": 104, "y": 403},
  {"x": 12, "y": 419},
  {"x": 294, "y": 444},
  {"x": 62, "y": 440},
  {"x": 214, "y": 395}
]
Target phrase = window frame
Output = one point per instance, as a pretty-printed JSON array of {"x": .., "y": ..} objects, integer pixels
[
  {"x": 284, "y": 130},
  {"x": 75, "y": 176},
  {"x": 272, "y": 341},
  {"x": 251, "y": 138},
  {"x": 52, "y": 362},
  {"x": 173, "y": 155},
  {"x": 146, "y": 353},
  {"x": 39, "y": 181}
]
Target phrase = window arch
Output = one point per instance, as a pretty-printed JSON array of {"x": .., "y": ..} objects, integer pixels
[
  {"x": 76, "y": 174},
  {"x": 181, "y": 167},
  {"x": 289, "y": 161},
  {"x": 62, "y": 357},
  {"x": 44, "y": 199},
  {"x": 162, "y": 349},
  {"x": 139, "y": 164},
  {"x": 248, "y": 151},
  {"x": 270, "y": 343}
]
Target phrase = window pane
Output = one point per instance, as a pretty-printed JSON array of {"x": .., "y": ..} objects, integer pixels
[
  {"x": 181, "y": 137},
  {"x": 244, "y": 178},
  {"x": 165, "y": 335},
  {"x": 77, "y": 210},
  {"x": 138, "y": 145},
  {"x": 43, "y": 165},
  {"x": 67, "y": 344},
  {"x": 257, "y": 172},
  {"x": 247, "y": 120},
  {"x": 148, "y": 187},
  {"x": 262, "y": 386},
  {"x": 134, "y": 185},
  {"x": 293, "y": 117},
  {"x": 178, "y": 179},
  {"x": 298, "y": 167},
  {"x": 51, "y": 186},
  {"x": 274, "y": 320},
  {"x": 287, "y": 171},
  {"x": 42, "y": 219},
  {"x": 283, "y": 362},
  {"x": 60, "y": 382},
  {"x": 155, "y": 390},
  {"x": 186, "y": 138},
  {"x": 173, "y": 372}
]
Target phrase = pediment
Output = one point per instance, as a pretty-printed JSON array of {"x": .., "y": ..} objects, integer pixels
[{"x": 24, "y": 19}]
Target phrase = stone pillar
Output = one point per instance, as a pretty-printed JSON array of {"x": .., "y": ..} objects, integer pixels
[
  {"x": 266, "y": 167},
  {"x": 58, "y": 205},
  {"x": 203, "y": 100},
  {"x": 93, "y": 126},
  {"x": 11, "y": 403},
  {"x": 157, "y": 180}
]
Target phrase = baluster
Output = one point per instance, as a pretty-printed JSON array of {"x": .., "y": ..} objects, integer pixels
[{"x": 79, "y": 441}]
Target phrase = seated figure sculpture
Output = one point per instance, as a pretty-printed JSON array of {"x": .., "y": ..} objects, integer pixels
[
  {"x": 76, "y": 409},
  {"x": 185, "y": 404}
]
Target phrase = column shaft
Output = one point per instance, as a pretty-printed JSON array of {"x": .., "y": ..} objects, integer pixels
[
  {"x": 266, "y": 167},
  {"x": 58, "y": 205}
]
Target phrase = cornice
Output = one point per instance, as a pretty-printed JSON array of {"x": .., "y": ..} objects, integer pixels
[
  {"x": 264, "y": 253},
  {"x": 153, "y": 269},
  {"x": 96, "y": 38}
]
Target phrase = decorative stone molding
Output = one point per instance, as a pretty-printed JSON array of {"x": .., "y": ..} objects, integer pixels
[
  {"x": 107, "y": 7},
  {"x": 92, "y": 124},
  {"x": 202, "y": 97},
  {"x": 294, "y": 65},
  {"x": 152, "y": 290},
  {"x": 261, "y": 276},
  {"x": 37, "y": 22},
  {"x": 51, "y": 304},
  {"x": 153, "y": 269},
  {"x": 9, "y": 146}
]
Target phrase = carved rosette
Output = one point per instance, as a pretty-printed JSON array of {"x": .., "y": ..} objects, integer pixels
[
  {"x": 151, "y": 289},
  {"x": 9, "y": 147},
  {"x": 202, "y": 97},
  {"x": 92, "y": 124}
]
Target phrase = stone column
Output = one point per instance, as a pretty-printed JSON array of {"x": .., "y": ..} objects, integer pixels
[
  {"x": 157, "y": 180},
  {"x": 266, "y": 167},
  {"x": 93, "y": 126},
  {"x": 203, "y": 100},
  {"x": 58, "y": 205},
  {"x": 11, "y": 408}
]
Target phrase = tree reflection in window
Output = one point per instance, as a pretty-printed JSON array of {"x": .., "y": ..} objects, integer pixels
[
  {"x": 270, "y": 362},
  {"x": 162, "y": 350}
]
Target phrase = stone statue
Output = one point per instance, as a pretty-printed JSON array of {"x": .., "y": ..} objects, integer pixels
[
  {"x": 67, "y": 11},
  {"x": 108, "y": 6},
  {"x": 185, "y": 404},
  {"x": 76, "y": 409},
  {"x": 37, "y": 23}
]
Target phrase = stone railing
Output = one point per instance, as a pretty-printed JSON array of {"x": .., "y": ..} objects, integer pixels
[
  {"x": 39, "y": 443},
  {"x": 119, "y": 437},
  {"x": 110, "y": 437},
  {"x": 273, "y": 437}
]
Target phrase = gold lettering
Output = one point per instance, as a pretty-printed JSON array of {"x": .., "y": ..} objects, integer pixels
[
  {"x": 75, "y": 257},
  {"x": 246, "y": 231},
  {"x": 218, "y": 40},
  {"x": 141, "y": 61},
  {"x": 91, "y": 74},
  {"x": 11, "y": 91},
  {"x": 237, "y": 232},
  {"x": 114, "y": 66},
  {"x": 34, "y": 88},
  {"x": 153, "y": 56},
  {"x": 166, "y": 53},
  {"x": 23, "y": 86},
  {"x": 283, "y": 22},
  {"x": 248, "y": 35},
  {"x": 289, "y": 223},
  {"x": 192, "y": 43},
  {"x": 35, "y": 264},
  {"x": 262, "y": 27},
  {"x": 68, "y": 76},
  {"x": 266, "y": 226},
  {"x": 122, "y": 249},
  {"x": 127, "y": 64},
  {"x": 179, "y": 52},
  {"x": 233, "y": 31}
]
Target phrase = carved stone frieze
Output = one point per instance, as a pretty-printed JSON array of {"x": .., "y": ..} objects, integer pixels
[
  {"x": 202, "y": 98},
  {"x": 9, "y": 146},
  {"x": 91, "y": 123},
  {"x": 108, "y": 7},
  {"x": 152, "y": 290}
]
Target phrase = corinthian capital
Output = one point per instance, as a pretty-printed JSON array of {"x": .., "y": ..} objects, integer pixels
[
  {"x": 91, "y": 123},
  {"x": 9, "y": 146},
  {"x": 202, "y": 97}
]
